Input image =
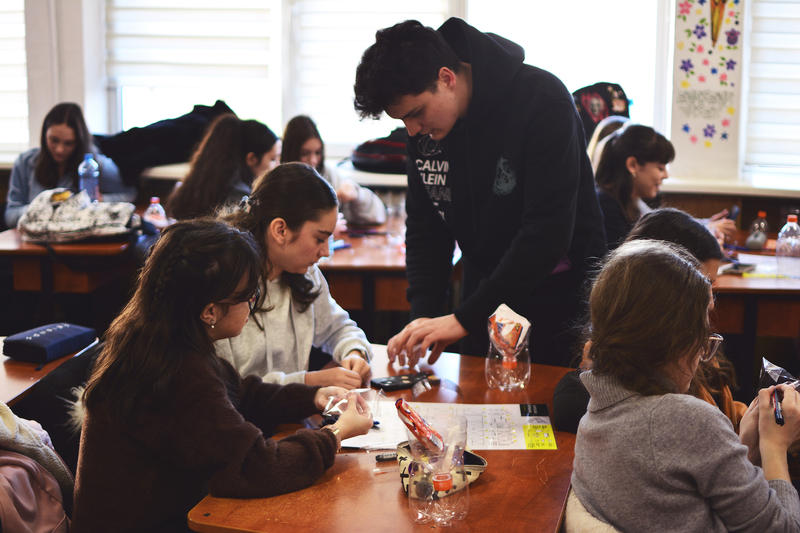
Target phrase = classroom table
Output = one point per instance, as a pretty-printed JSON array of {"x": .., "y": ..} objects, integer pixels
[
  {"x": 35, "y": 268},
  {"x": 520, "y": 489},
  {"x": 754, "y": 307},
  {"x": 17, "y": 377}
]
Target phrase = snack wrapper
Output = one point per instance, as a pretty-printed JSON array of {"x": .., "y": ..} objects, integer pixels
[
  {"x": 774, "y": 375},
  {"x": 508, "y": 333},
  {"x": 417, "y": 425}
]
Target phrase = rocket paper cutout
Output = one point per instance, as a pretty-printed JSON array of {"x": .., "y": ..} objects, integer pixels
[{"x": 717, "y": 14}]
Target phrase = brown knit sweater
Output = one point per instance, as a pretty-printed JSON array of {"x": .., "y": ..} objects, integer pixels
[{"x": 145, "y": 474}]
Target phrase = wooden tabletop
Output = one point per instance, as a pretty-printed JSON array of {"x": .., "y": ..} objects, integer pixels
[
  {"x": 520, "y": 490},
  {"x": 12, "y": 244},
  {"x": 738, "y": 284},
  {"x": 369, "y": 249},
  {"x": 17, "y": 377}
]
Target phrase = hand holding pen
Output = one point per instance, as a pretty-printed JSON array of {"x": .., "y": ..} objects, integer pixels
[{"x": 776, "y": 405}]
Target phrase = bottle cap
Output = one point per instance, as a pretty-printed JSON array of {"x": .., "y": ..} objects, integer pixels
[
  {"x": 762, "y": 214},
  {"x": 155, "y": 200},
  {"x": 87, "y": 157},
  {"x": 443, "y": 481},
  {"x": 792, "y": 218}
]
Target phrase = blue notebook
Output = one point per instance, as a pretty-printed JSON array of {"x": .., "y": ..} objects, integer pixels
[{"x": 45, "y": 343}]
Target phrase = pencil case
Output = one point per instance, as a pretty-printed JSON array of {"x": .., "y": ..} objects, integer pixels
[{"x": 48, "y": 342}]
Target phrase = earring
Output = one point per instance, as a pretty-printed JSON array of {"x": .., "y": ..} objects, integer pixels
[{"x": 212, "y": 323}]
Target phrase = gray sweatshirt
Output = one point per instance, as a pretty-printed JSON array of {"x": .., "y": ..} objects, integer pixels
[
  {"x": 279, "y": 353},
  {"x": 671, "y": 463}
]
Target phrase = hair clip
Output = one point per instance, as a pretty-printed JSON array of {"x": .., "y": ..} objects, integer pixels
[{"x": 244, "y": 204}]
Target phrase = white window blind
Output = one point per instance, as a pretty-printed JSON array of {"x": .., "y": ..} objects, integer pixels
[
  {"x": 327, "y": 39},
  {"x": 773, "y": 101},
  {"x": 14, "y": 87},
  {"x": 164, "y": 56}
]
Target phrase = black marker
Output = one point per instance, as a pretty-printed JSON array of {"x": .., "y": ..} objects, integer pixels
[{"x": 778, "y": 410}]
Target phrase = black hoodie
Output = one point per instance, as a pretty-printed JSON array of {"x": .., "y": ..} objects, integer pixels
[{"x": 511, "y": 183}]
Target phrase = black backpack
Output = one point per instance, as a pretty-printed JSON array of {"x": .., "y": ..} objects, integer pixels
[
  {"x": 385, "y": 155},
  {"x": 596, "y": 102}
]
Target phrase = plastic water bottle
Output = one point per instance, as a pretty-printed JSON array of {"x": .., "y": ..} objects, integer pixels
[
  {"x": 508, "y": 372},
  {"x": 758, "y": 232},
  {"x": 89, "y": 177},
  {"x": 787, "y": 250},
  {"x": 155, "y": 213}
]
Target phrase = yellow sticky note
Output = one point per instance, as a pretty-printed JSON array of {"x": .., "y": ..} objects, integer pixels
[{"x": 539, "y": 437}]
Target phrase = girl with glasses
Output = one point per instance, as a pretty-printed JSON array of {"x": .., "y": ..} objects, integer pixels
[
  {"x": 291, "y": 213},
  {"x": 648, "y": 456},
  {"x": 167, "y": 420},
  {"x": 715, "y": 378}
]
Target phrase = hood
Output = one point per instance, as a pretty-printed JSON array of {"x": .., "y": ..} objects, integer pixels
[{"x": 495, "y": 62}]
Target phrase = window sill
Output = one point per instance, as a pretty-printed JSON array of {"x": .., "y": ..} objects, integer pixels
[{"x": 750, "y": 184}]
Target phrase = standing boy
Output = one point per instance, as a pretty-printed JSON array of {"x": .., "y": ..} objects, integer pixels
[{"x": 497, "y": 162}]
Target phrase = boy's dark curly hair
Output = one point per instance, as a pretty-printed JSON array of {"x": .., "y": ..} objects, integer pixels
[{"x": 405, "y": 60}]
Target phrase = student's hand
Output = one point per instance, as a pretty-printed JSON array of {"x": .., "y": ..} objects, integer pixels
[
  {"x": 355, "y": 362},
  {"x": 341, "y": 225},
  {"x": 774, "y": 439},
  {"x": 338, "y": 376},
  {"x": 324, "y": 394},
  {"x": 722, "y": 228},
  {"x": 356, "y": 418},
  {"x": 422, "y": 334},
  {"x": 347, "y": 192},
  {"x": 748, "y": 432}
]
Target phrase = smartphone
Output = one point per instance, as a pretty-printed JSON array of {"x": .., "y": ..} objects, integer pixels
[{"x": 404, "y": 381}]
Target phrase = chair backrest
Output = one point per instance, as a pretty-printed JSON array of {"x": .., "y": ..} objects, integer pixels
[
  {"x": 596, "y": 102},
  {"x": 578, "y": 520},
  {"x": 49, "y": 402}
]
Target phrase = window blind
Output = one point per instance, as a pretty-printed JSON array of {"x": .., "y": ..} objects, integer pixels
[
  {"x": 326, "y": 41},
  {"x": 163, "y": 56},
  {"x": 14, "y": 88},
  {"x": 773, "y": 100}
]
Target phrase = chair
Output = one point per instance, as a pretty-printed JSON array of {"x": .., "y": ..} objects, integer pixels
[{"x": 578, "y": 520}]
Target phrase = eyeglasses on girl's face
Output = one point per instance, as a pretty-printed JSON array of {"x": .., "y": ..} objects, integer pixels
[{"x": 714, "y": 340}]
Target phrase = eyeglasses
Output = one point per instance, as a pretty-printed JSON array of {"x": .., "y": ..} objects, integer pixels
[
  {"x": 254, "y": 299},
  {"x": 714, "y": 340}
]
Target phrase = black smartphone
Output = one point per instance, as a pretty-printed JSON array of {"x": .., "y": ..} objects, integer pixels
[{"x": 405, "y": 381}]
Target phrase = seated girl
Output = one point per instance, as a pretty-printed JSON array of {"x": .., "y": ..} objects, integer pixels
[
  {"x": 715, "y": 378},
  {"x": 632, "y": 167},
  {"x": 231, "y": 155},
  {"x": 167, "y": 420},
  {"x": 291, "y": 214},
  {"x": 648, "y": 456},
  {"x": 302, "y": 142},
  {"x": 64, "y": 141}
]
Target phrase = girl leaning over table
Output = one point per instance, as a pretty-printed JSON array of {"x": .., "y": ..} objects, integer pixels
[
  {"x": 648, "y": 456},
  {"x": 64, "y": 141},
  {"x": 167, "y": 420},
  {"x": 291, "y": 214}
]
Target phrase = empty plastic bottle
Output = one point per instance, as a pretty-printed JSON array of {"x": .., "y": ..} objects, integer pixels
[
  {"x": 89, "y": 177},
  {"x": 787, "y": 250}
]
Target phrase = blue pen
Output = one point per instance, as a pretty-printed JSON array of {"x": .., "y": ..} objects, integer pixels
[{"x": 778, "y": 410}]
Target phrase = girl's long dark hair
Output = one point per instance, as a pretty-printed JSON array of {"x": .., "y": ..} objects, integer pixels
[
  {"x": 298, "y": 130},
  {"x": 642, "y": 142},
  {"x": 218, "y": 164},
  {"x": 46, "y": 170},
  {"x": 194, "y": 263},
  {"x": 296, "y": 193}
]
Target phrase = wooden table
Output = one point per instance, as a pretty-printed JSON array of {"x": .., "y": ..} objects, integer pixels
[
  {"x": 370, "y": 274},
  {"x": 35, "y": 269},
  {"x": 753, "y": 307},
  {"x": 521, "y": 490},
  {"x": 17, "y": 377}
]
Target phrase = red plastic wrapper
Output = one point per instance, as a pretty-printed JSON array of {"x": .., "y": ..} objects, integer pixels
[{"x": 417, "y": 425}]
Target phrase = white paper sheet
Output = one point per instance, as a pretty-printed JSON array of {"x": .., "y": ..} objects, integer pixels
[{"x": 489, "y": 426}]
